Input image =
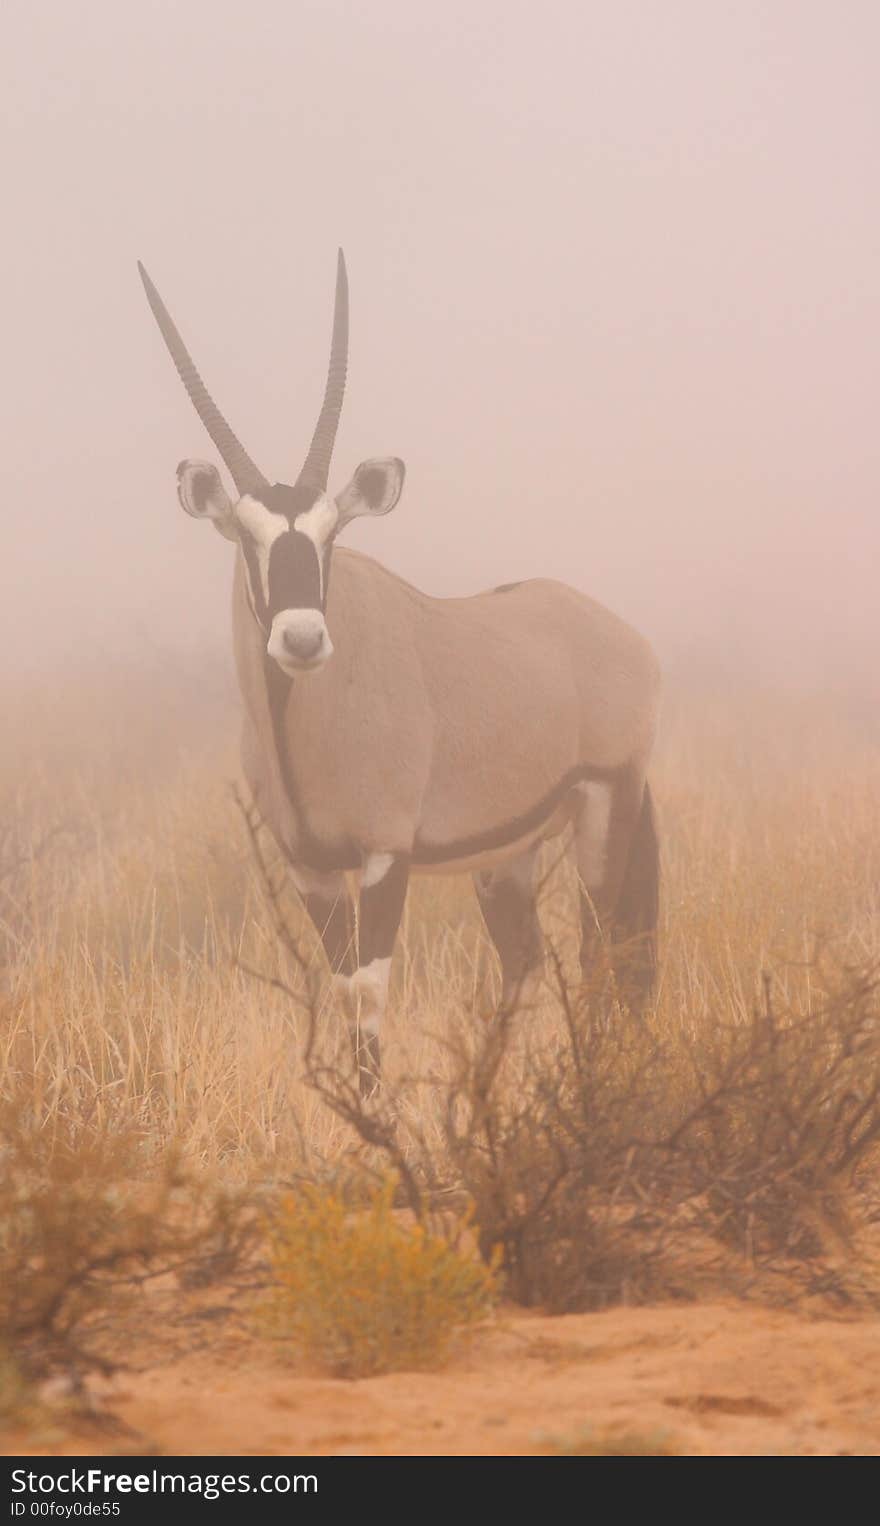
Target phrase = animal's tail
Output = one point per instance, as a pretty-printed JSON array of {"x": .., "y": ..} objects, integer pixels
[{"x": 635, "y": 921}]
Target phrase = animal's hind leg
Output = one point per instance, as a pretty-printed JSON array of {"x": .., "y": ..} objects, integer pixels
[
  {"x": 509, "y": 905},
  {"x": 604, "y": 833}
]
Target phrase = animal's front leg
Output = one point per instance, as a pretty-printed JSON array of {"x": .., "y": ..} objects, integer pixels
[
  {"x": 384, "y": 878},
  {"x": 330, "y": 907}
]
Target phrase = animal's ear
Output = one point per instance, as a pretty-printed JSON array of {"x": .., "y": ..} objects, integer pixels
[
  {"x": 374, "y": 489},
  {"x": 203, "y": 495}
]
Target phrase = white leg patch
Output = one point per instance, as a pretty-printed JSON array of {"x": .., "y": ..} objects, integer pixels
[
  {"x": 592, "y": 835},
  {"x": 365, "y": 994},
  {"x": 375, "y": 868}
]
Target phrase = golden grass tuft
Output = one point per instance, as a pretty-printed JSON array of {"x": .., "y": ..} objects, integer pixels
[{"x": 361, "y": 1292}]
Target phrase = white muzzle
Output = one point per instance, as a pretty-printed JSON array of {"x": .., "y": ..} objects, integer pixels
[{"x": 299, "y": 641}]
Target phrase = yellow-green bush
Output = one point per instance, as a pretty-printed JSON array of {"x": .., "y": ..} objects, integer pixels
[{"x": 362, "y": 1292}]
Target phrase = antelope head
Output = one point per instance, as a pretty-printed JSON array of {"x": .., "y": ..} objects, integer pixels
[{"x": 286, "y": 534}]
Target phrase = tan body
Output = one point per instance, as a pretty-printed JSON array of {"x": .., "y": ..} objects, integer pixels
[{"x": 440, "y": 726}]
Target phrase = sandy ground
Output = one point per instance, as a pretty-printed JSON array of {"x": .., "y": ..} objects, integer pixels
[{"x": 700, "y": 1380}]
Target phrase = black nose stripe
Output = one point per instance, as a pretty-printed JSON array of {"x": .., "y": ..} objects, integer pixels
[{"x": 294, "y": 573}]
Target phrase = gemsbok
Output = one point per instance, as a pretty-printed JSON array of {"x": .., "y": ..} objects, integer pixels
[{"x": 389, "y": 733}]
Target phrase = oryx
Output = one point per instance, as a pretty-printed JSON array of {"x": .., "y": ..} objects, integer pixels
[{"x": 388, "y": 732}]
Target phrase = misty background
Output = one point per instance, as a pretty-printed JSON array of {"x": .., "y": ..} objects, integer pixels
[{"x": 614, "y": 283}]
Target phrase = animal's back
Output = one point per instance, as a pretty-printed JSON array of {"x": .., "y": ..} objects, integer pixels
[{"x": 556, "y": 657}]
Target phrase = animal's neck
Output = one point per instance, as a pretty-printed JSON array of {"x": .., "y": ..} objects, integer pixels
[{"x": 278, "y": 693}]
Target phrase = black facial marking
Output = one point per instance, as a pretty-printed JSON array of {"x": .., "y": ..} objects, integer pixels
[
  {"x": 255, "y": 581},
  {"x": 294, "y": 573},
  {"x": 290, "y": 501},
  {"x": 297, "y": 573}
]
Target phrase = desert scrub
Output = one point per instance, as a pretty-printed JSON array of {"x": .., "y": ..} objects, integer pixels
[
  {"x": 360, "y": 1292},
  {"x": 87, "y": 1220}
]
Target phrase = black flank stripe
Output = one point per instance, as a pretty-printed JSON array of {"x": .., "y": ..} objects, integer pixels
[{"x": 516, "y": 827}]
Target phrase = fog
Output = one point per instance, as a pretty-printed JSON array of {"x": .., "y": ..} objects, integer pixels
[{"x": 614, "y": 284}]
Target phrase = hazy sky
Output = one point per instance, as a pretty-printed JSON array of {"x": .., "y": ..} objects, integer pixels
[{"x": 614, "y": 274}]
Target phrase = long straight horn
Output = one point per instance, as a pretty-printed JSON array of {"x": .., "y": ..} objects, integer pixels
[
  {"x": 316, "y": 468},
  {"x": 244, "y": 473}
]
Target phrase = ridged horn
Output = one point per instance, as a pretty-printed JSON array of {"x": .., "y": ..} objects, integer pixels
[
  {"x": 246, "y": 476},
  {"x": 316, "y": 468}
]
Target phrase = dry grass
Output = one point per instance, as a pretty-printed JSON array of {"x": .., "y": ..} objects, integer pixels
[
  {"x": 130, "y": 913},
  {"x": 83, "y": 1235},
  {"x": 129, "y": 905}
]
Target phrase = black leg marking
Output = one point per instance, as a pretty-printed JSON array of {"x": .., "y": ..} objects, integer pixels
[
  {"x": 617, "y": 864},
  {"x": 380, "y": 907},
  {"x": 509, "y": 906}
]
